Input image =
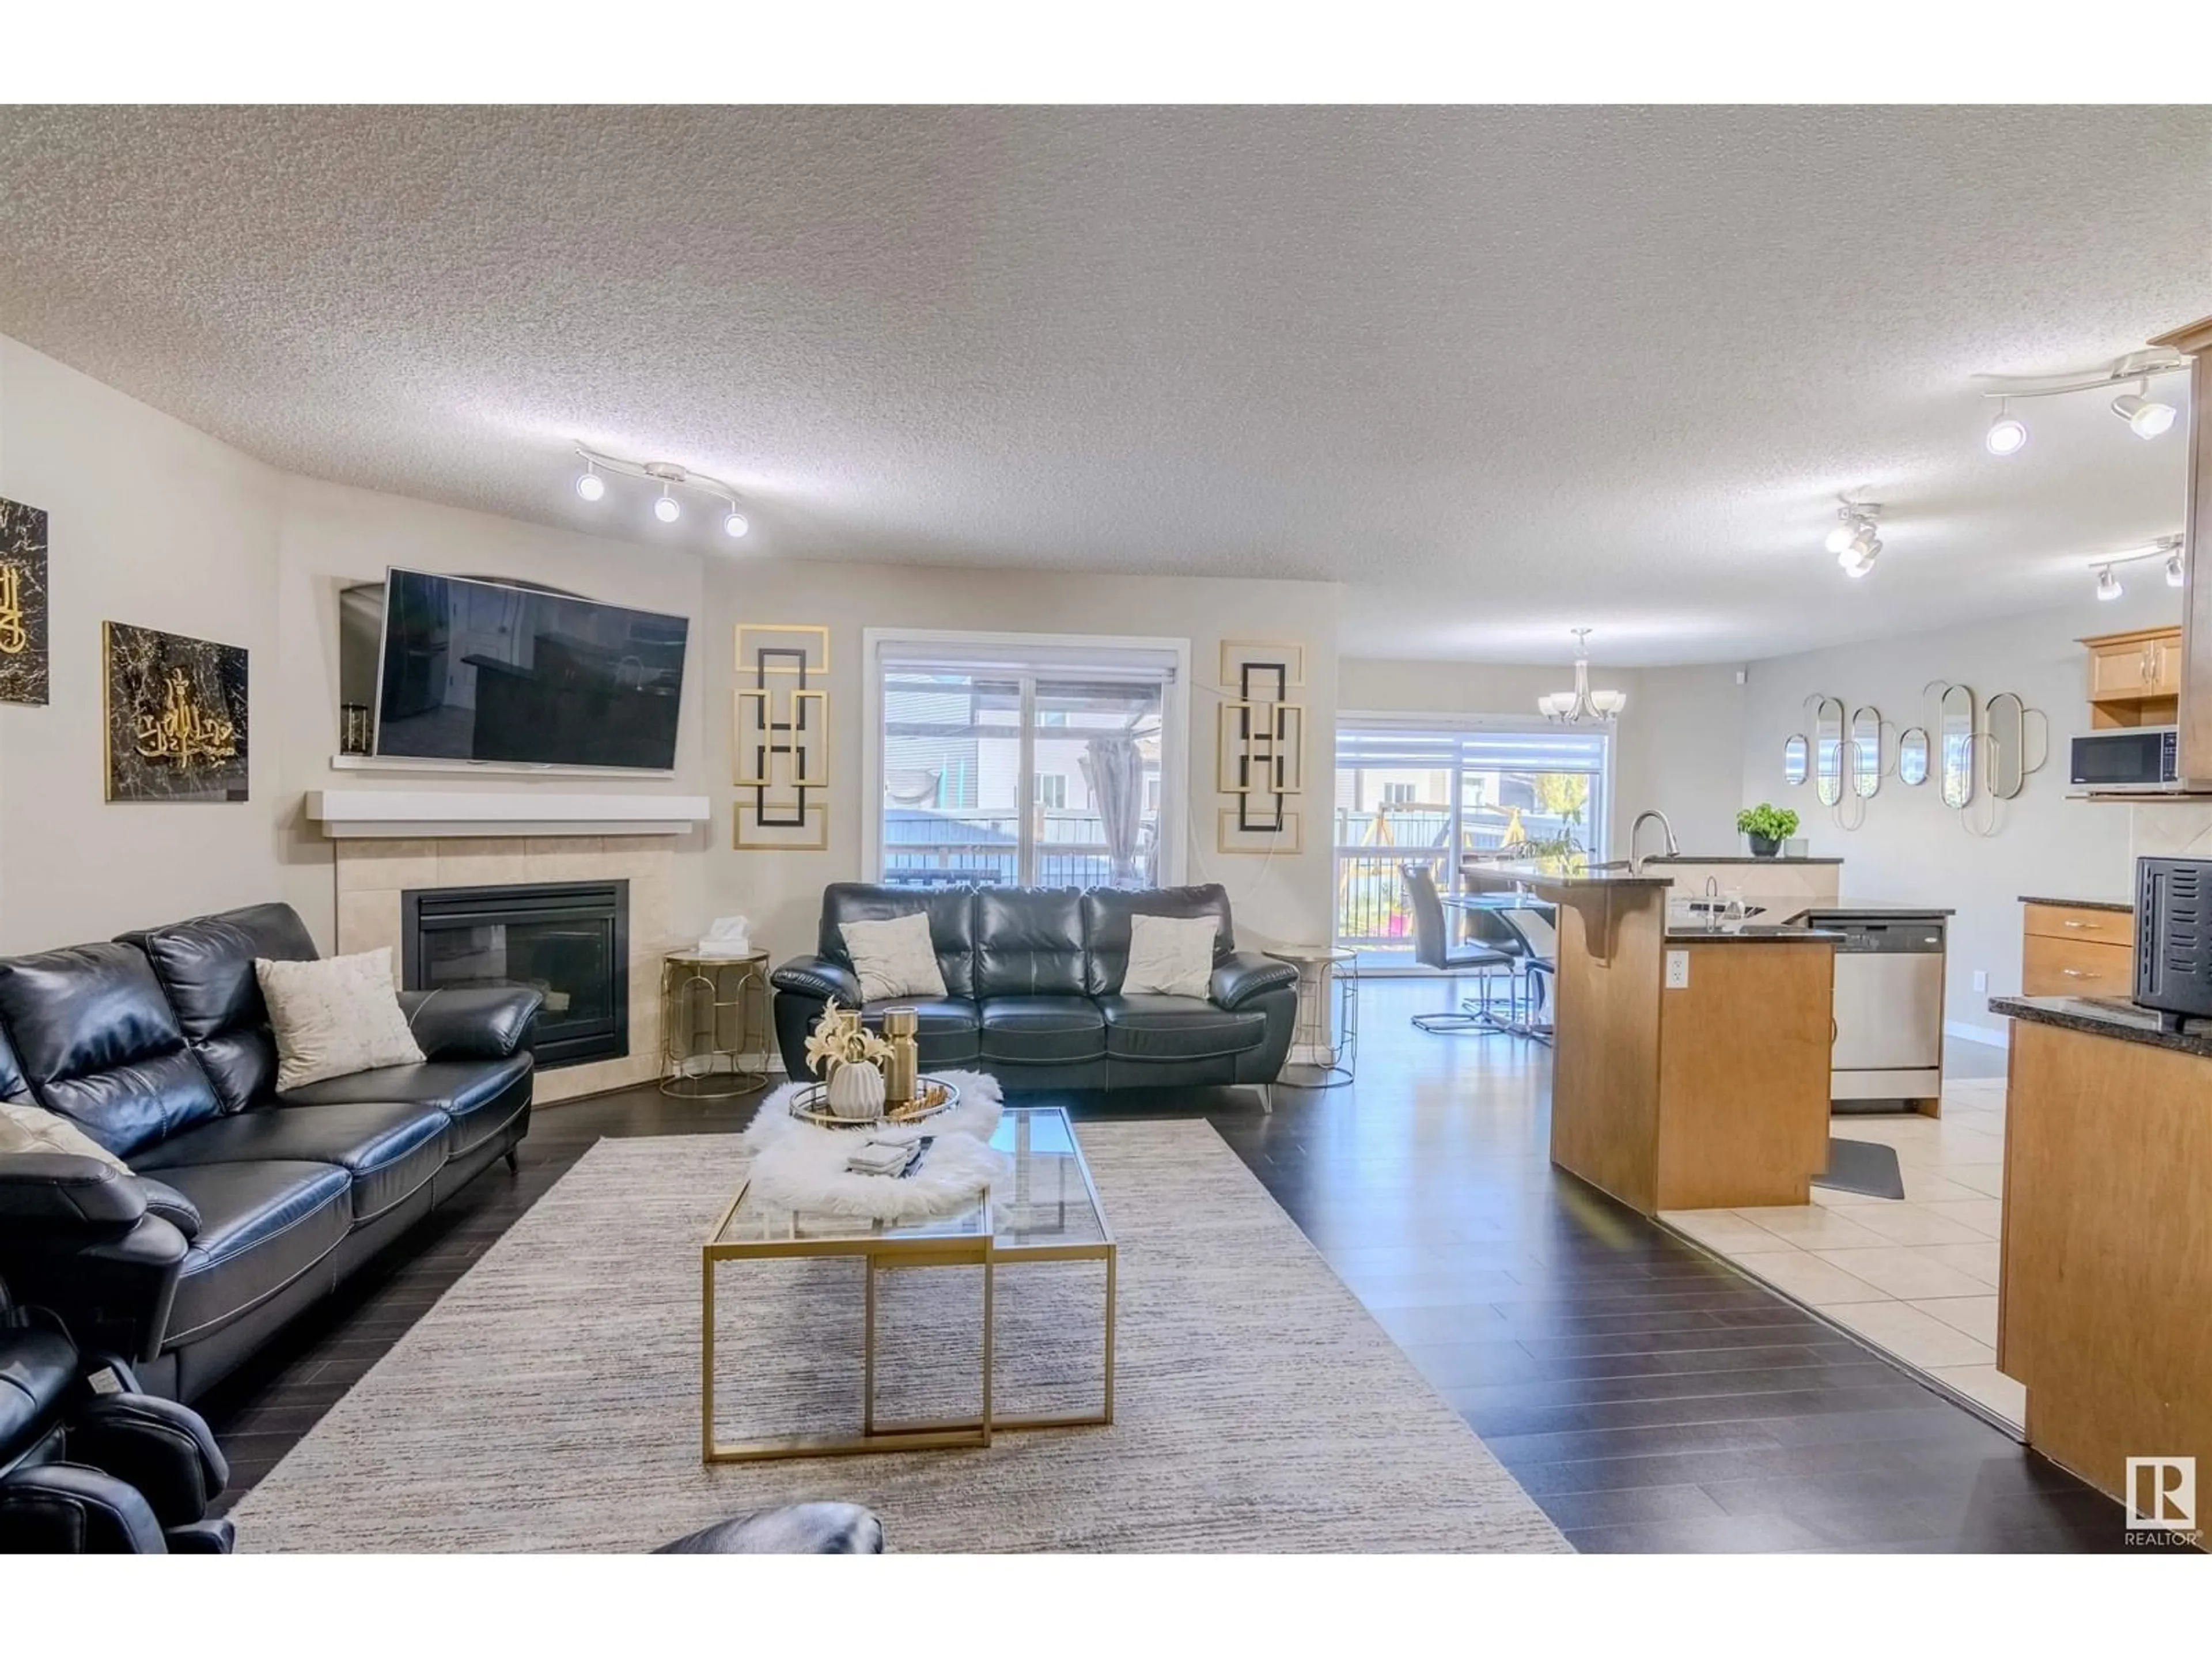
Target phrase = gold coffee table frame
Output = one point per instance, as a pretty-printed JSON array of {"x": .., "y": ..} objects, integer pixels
[{"x": 967, "y": 1239}]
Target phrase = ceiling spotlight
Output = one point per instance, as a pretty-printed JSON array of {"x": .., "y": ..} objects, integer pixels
[
  {"x": 2175, "y": 575},
  {"x": 1858, "y": 558},
  {"x": 667, "y": 509},
  {"x": 2145, "y": 418},
  {"x": 2108, "y": 585},
  {"x": 735, "y": 524},
  {"x": 589, "y": 485},
  {"x": 2007, "y": 433},
  {"x": 1841, "y": 537}
]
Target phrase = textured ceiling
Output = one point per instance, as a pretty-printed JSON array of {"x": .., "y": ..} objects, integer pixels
[{"x": 1500, "y": 371}]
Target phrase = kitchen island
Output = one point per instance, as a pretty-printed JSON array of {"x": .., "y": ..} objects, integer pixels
[
  {"x": 1692, "y": 1064},
  {"x": 2105, "y": 1275}
]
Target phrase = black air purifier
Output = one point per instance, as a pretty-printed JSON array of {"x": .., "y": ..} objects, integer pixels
[{"x": 2173, "y": 938}]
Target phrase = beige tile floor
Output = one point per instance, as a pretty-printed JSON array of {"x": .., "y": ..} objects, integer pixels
[{"x": 1916, "y": 1278}]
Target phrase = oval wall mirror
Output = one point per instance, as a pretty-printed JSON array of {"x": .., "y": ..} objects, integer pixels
[
  {"x": 1866, "y": 751},
  {"x": 1913, "y": 755},
  {"x": 1958, "y": 738},
  {"x": 1828, "y": 737},
  {"x": 1797, "y": 759},
  {"x": 2006, "y": 716}
]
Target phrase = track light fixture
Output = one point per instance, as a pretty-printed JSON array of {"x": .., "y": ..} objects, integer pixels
[
  {"x": 2145, "y": 418},
  {"x": 667, "y": 508},
  {"x": 2007, "y": 432},
  {"x": 2165, "y": 548},
  {"x": 1854, "y": 541}
]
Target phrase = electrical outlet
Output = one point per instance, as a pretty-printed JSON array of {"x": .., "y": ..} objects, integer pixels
[
  {"x": 1678, "y": 970},
  {"x": 1981, "y": 980}
]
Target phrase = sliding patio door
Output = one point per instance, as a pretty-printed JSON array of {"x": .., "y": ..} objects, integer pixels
[{"x": 1428, "y": 792}]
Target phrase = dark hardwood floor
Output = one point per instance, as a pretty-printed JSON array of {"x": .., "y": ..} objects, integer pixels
[{"x": 1649, "y": 1396}]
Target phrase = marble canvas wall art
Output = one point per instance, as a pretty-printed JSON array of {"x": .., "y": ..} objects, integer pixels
[
  {"x": 22, "y": 602},
  {"x": 176, "y": 716}
]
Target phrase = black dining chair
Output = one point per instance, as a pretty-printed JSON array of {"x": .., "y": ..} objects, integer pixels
[{"x": 1432, "y": 949}]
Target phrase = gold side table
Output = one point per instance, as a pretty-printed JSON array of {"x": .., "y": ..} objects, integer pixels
[{"x": 709, "y": 1036}]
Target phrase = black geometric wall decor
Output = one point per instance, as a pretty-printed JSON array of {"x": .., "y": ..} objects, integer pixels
[
  {"x": 780, "y": 730},
  {"x": 176, "y": 716},
  {"x": 22, "y": 602},
  {"x": 1260, "y": 747}
]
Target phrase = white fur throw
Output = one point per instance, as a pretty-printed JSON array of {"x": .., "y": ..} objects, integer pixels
[{"x": 801, "y": 1166}]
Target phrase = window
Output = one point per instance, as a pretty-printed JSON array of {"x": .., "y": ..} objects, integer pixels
[
  {"x": 1430, "y": 793},
  {"x": 1043, "y": 762}
]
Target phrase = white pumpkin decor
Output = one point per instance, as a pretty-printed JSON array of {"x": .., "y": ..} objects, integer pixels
[{"x": 856, "y": 1091}]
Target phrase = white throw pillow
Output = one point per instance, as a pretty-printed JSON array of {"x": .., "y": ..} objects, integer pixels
[
  {"x": 894, "y": 958},
  {"x": 28, "y": 1128},
  {"x": 1169, "y": 957},
  {"x": 335, "y": 1016}
]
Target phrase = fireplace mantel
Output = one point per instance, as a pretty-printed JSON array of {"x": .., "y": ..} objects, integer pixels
[{"x": 420, "y": 814}]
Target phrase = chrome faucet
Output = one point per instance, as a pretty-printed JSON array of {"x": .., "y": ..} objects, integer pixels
[{"x": 1636, "y": 863}]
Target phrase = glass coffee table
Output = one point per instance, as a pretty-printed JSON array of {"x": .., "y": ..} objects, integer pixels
[{"x": 1045, "y": 1210}]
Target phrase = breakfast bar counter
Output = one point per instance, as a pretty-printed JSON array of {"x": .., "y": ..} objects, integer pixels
[{"x": 1691, "y": 1066}]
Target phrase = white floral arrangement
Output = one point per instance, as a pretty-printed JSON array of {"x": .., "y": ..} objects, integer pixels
[{"x": 839, "y": 1039}]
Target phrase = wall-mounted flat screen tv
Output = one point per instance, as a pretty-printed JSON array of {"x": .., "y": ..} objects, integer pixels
[{"x": 479, "y": 670}]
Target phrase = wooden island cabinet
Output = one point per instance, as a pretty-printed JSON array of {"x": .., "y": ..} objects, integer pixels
[{"x": 1691, "y": 1067}]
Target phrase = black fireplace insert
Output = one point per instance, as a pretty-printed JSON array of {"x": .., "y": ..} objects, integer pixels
[{"x": 569, "y": 940}]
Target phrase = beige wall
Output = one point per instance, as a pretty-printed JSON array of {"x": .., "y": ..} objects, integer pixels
[
  {"x": 153, "y": 523},
  {"x": 1277, "y": 898},
  {"x": 1678, "y": 746},
  {"x": 332, "y": 536},
  {"x": 1911, "y": 848}
]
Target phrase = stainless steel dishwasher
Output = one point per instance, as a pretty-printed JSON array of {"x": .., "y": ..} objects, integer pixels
[{"x": 1889, "y": 1006}]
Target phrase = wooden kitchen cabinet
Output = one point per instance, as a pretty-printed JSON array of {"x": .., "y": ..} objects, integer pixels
[
  {"x": 2077, "y": 950},
  {"x": 2135, "y": 678}
]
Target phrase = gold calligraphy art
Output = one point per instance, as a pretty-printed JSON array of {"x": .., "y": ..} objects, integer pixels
[
  {"x": 183, "y": 731},
  {"x": 22, "y": 602},
  {"x": 176, "y": 717}
]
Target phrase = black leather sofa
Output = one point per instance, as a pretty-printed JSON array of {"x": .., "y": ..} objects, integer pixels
[
  {"x": 243, "y": 1207},
  {"x": 89, "y": 1465},
  {"x": 1033, "y": 989}
]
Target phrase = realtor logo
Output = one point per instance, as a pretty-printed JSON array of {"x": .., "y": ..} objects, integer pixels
[{"x": 2161, "y": 1494}]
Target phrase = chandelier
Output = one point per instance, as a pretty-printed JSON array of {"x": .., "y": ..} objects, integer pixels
[{"x": 1582, "y": 704}]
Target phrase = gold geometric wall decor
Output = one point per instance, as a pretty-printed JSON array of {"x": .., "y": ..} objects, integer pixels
[
  {"x": 22, "y": 602},
  {"x": 1228, "y": 838},
  {"x": 175, "y": 716},
  {"x": 780, "y": 732},
  {"x": 1260, "y": 746}
]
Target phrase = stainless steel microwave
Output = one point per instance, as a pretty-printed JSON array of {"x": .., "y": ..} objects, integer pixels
[{"x": 2128, "y": 757}]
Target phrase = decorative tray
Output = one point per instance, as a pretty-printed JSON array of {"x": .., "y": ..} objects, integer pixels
[{"x": 812, "y": 1105}]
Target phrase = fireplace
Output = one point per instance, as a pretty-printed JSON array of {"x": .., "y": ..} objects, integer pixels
[{"x": 568, "y": 940}]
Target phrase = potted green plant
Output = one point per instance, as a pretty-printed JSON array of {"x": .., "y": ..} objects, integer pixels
[{"x": 1768, "y": 827}]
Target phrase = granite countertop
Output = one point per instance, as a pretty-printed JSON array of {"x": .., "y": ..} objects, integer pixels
[
  {"x": 2123, "y": 1021},
  {"x": 1887, "y": 908},
  {"x": 1730, "y": 858},
  {"x": 1555, "y": 872},
  {"x": 1751, "y": 933},
  {"x": 2081, "y": 903}
]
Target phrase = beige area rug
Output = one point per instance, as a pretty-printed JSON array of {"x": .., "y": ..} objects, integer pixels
[{"x": 550, "y": 1400}]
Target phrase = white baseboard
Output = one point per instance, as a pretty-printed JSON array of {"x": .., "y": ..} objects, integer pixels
[{"x": 1991, "y": 1037}]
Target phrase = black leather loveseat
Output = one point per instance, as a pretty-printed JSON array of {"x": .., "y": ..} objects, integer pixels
[
  {"x": 242, "y": 1206},
  {"x": 1033, "y": 983}
]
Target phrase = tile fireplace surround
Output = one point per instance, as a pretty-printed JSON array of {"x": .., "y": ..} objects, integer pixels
[{"x": 373, "y": 873}]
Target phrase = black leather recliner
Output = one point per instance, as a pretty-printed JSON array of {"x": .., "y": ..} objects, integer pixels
[
  {"x": 244, "y": 1207},
  {"x": 1033, "y": 989},
  {"x": 89, "y": 1464}
]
